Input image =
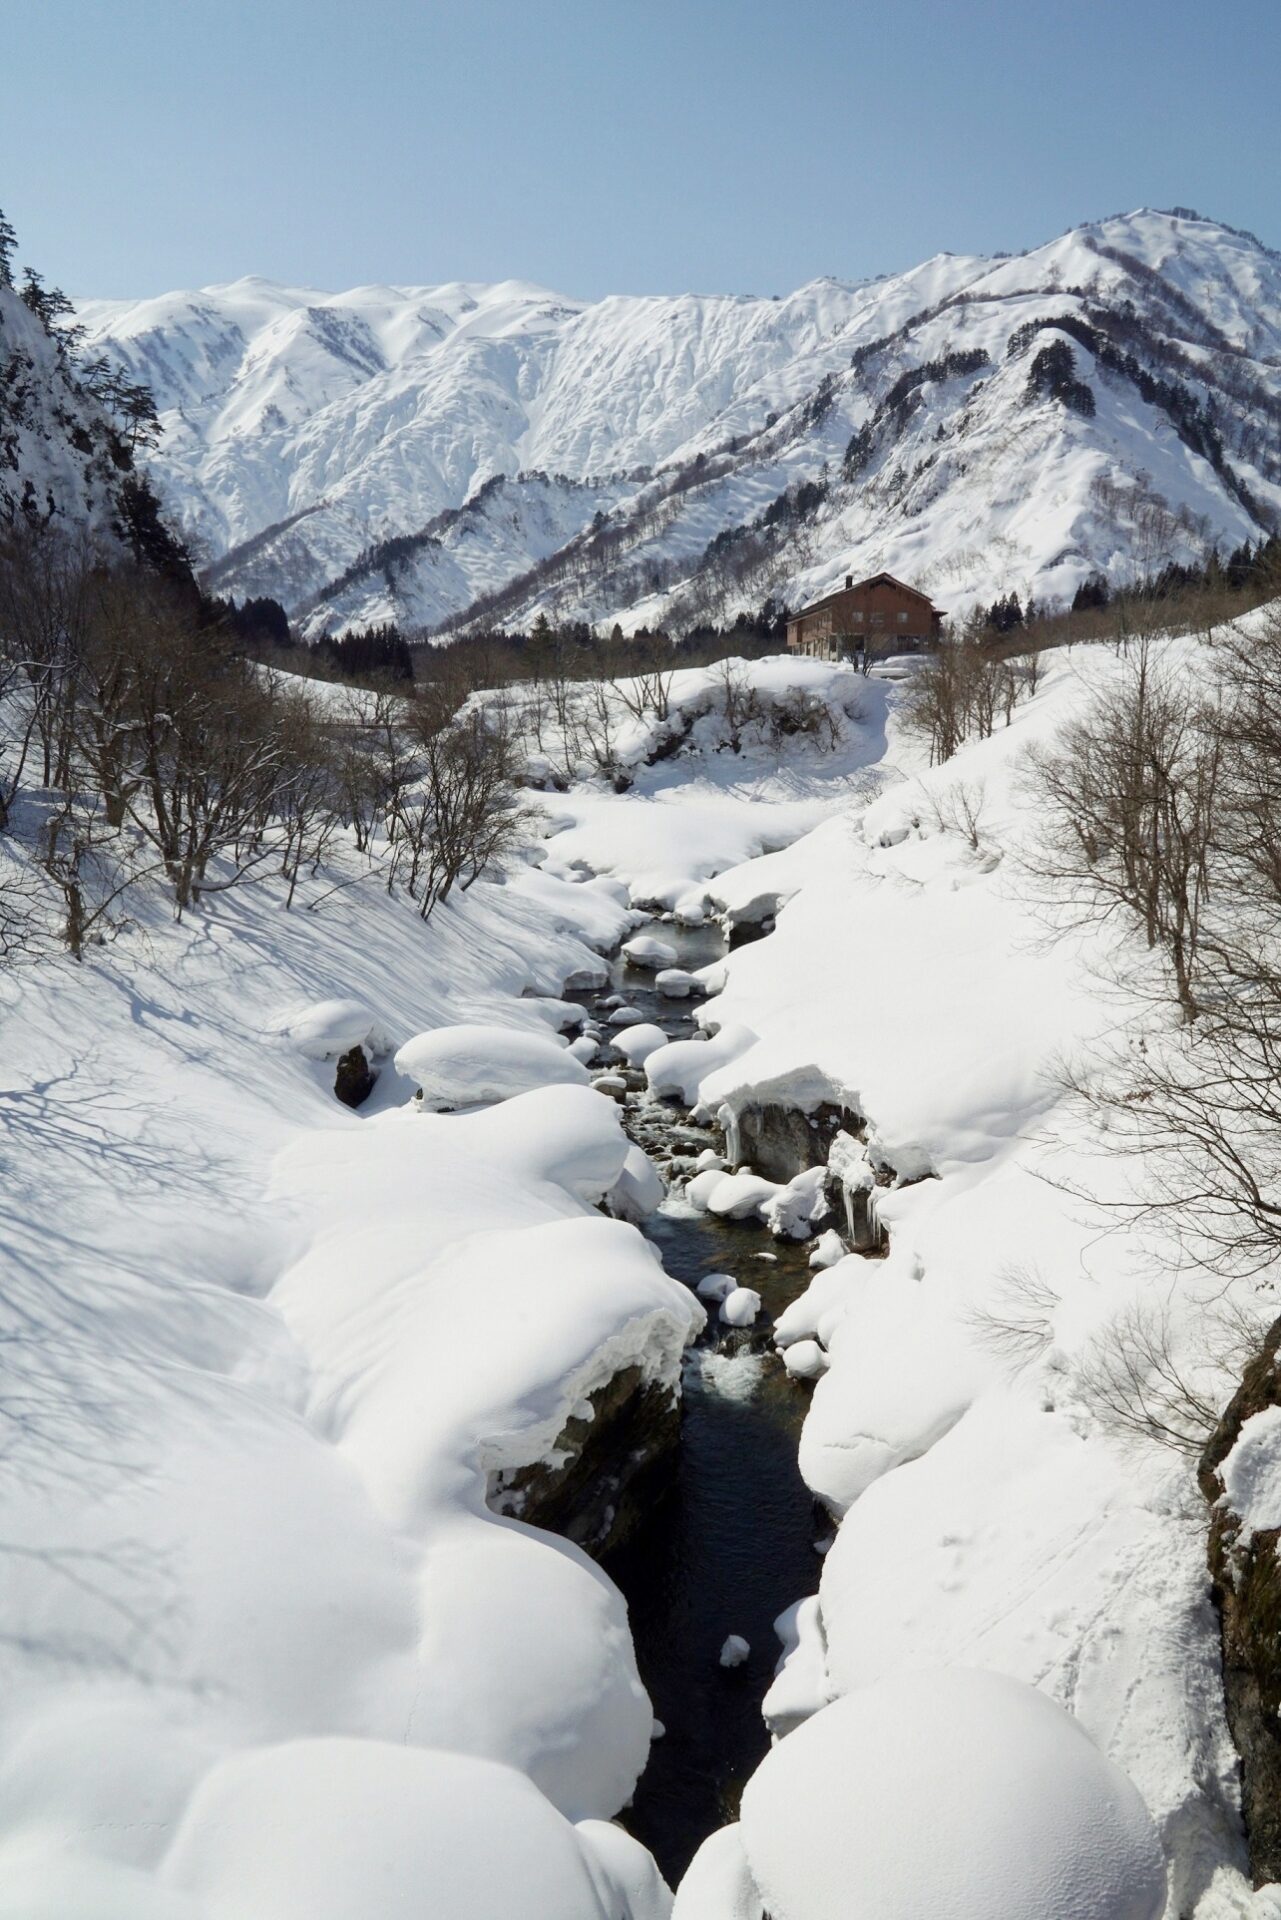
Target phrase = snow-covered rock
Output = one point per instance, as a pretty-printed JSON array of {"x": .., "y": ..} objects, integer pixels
[
  {"x": 716, "y": 1286},
  {"x": 472, "y": 1066},
  {"x": 649, "y": 953},
  {"x": 805, "y": 1360},
  {"x": 638, "y": 1042},
  {"x": 740, "y": 1308},
  {"x": 735, "y": 1650},
  {"x": 677, "y": 1069}
]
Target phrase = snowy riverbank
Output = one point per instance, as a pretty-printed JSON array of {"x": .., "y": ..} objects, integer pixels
[{"x": 266, "y": 1649}]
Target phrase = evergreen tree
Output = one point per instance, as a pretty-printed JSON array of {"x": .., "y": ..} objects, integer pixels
[{"x": 8, "y": 246}]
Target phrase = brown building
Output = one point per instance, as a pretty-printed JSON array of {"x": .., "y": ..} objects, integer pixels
[{"x": 880, "y": 615}]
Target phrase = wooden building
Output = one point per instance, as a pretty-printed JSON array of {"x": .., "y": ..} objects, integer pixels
[{"x": 880, "y": 615}]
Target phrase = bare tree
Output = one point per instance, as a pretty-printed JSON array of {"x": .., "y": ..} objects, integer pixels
[
  {"x": 1128, "y": 797},
  {"x": 462, "y": 813}
]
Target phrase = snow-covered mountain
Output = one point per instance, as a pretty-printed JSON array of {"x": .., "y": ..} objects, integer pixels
[{"x": 1110, "y": 400}]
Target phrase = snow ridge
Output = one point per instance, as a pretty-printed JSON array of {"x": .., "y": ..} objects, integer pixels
[{"x": 304, "y": 430}]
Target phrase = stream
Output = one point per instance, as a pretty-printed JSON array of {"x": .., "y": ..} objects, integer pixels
[{"x": 732, "y": 1541}]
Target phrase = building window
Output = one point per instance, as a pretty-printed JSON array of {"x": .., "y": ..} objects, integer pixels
[{"x": 902, "y": 619}]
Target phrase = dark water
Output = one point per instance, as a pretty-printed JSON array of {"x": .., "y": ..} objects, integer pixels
[{"x": 733, "y": 1542}]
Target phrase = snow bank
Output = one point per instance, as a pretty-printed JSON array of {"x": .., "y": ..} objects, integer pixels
[
  {"x": 678, "y": 1070},
  {"x": 471, "y": 1066},
  {"x": 800, "y": 1685},
  {"x": 250, "y": 1580},
  {"x": 957, "y": 1794},
  {"x": 718, "y": 1884}
]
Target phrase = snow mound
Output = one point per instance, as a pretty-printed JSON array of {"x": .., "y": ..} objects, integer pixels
[
  {"x": 638, "y": 1042},
  {"x": 649, "y": 953},
  {"x": 329, "y": 1828},
  {"x": 805, "y": 1360},
  {"x": 717, "y": 1884},
  {"x": 674, "y": 983},
  {"x": 472, "y": 1066},
  {"x": 716, "y": 1286},
  {"x": 327, "y": 1028},
  {"x": 674, "y": 1072},
  {"x": 740, "y": 1308},
  {"x": 1025, "y": 1818},
  {"x": 730, "y": 1196}
]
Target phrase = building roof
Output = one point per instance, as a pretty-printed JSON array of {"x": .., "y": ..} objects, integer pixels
[{"x": 872, "y": 580}]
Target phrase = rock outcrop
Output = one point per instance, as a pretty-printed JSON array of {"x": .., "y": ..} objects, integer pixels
[
  {"x": 1246, "y": 1572},
  {"x": 781, "y": 1141},
  {"x": 609, "y": 1466}
]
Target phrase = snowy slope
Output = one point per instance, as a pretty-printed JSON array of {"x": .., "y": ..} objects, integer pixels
[
  {"x": 263, "y": 1355},
  {"x": 362, "y": 417},
  {"x": 58, "y": 454}
]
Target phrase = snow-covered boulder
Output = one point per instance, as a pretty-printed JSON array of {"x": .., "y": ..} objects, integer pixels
[
  {"x": 735, "y": 1650},
  {"x": 790, "y": 1214},
  {"x": 828, "y": 1249},
  {"x": 626, "y": 1016},
  {"x": 805, "y": 1360},
  {"x": 649, "y": 953},
  {"x": 471, "y": 1066},
  {"x": 674, "y": 983},
  {"x": 716, "y": 1286},
  {"x": 638, "y": 1042},
  {"x": 326, "y": 1029},
  {"x": 730, "y": 1196},
  {"x": 740, "y": 1308},
  {"x": 953, "y": 1795}
]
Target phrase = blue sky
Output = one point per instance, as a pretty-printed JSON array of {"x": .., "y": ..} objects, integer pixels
[{"x": 624, "y": 145}]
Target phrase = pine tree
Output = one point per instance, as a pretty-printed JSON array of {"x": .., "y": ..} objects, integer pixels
[{"x": 8, "y": 245}]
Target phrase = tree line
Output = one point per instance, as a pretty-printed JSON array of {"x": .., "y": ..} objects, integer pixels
[{"x": 140, "y": 743}]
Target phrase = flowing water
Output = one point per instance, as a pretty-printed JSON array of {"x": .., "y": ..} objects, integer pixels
[{"x": 733, "y": 1541}]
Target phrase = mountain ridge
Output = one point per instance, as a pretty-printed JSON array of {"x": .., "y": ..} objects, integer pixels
[{"x": 353, "y": 422}]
